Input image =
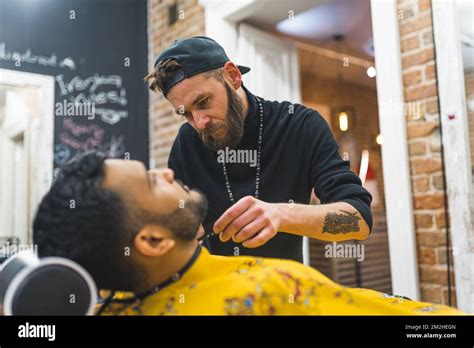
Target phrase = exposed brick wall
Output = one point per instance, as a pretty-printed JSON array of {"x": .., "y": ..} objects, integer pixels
[
  {"x": 420, "y": 90},
  {"x": 164, "y": 123},
  {"x": 375, "y": 270},
  {"x": 364, "y": 101}
]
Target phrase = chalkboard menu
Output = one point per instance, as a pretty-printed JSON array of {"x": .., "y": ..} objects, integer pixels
[{"x": 97, "y": 52}]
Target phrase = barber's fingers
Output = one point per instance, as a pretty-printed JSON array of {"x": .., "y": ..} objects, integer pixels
[
  {"x": 261, "y": 238},
  {"x": 240, "y": 222},
  {"x": 251, "y": 229},
  {"x": 232, "y": 213}
]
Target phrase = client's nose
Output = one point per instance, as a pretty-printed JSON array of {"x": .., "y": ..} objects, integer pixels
[
  {"x": 163, "y": 174},
  {"x": 168, "y": 174}
]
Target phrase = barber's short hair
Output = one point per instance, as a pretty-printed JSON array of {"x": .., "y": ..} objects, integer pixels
[{"x": 167, "y": 69}]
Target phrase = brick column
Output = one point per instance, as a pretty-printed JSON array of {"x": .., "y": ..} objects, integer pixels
[
  {"x": 164, "y": 123},
  {"x": 421, "y": 106}
]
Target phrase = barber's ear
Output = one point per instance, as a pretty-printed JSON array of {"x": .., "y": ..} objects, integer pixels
[
  {"x": 233, "y": 74},
  {"x": 153, "y": 240}
]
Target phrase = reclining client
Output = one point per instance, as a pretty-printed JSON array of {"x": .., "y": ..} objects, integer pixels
[{"x": 136, "y": 232}]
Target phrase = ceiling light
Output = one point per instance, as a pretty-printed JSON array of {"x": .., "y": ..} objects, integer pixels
[{"x": 371, "y": 72}]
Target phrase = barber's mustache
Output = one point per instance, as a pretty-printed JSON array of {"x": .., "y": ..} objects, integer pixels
[{"x": 211, "y": 129}]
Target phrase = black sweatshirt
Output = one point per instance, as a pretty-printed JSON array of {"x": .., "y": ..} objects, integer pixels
[{"x": 299, "y": 153}]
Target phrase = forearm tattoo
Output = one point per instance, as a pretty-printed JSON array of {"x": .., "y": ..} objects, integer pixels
[{"x": 346, "y": 222}]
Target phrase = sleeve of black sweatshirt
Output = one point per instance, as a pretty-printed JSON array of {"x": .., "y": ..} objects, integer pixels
[{"x": 331, "y": 177}]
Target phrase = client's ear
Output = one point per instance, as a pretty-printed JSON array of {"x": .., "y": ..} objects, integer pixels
[{"x": 153, "y": 240}]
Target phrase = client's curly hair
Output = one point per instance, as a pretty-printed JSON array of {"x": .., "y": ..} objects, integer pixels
[{"x": 80, "y": 220}]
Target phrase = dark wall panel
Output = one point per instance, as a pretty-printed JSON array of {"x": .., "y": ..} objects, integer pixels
[{"x": 97, "y": 52}]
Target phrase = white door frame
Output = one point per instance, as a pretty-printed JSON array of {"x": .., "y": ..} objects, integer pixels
[
  {"x": 252, "y": 42},
  {"x": 221, "y": 20},
  {"x": 395, "y": 158},
  {"x": 40, "y": 134},
  {"x": 14, "y": 169},
  {"x": 221, "y": 23},
  {"x": 456, "y": 149}
]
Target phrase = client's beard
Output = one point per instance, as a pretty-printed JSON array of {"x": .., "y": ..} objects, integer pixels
[
  {"x": 184, "y": 222},
  {"x": 234, "y": 125}
]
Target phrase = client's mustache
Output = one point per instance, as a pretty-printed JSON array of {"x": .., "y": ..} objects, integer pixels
[{"x": 185, "y": 187}]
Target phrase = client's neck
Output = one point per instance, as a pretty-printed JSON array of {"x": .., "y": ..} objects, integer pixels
[{"x": 167, "y": 265}]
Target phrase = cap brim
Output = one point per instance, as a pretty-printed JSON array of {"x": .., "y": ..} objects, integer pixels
[{"x": 243, "y": 69}]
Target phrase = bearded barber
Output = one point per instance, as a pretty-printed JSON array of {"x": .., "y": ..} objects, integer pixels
[{"x": 259, "y": 207}]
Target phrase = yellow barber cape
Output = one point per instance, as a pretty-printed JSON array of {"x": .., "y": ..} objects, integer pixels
[{"x": 241, "y": 285}]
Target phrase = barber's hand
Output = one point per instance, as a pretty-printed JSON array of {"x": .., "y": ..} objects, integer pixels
[{"x": 249, "y": 221}]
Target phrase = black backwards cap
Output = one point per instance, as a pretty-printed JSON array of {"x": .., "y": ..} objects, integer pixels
[{"x": 195, "y": 55}]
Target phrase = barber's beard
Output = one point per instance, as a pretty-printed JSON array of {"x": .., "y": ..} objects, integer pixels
[{"x": 233, "y": 125}]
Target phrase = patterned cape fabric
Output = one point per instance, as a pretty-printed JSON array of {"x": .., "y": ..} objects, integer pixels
[{"x": 241, "y": 285}]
